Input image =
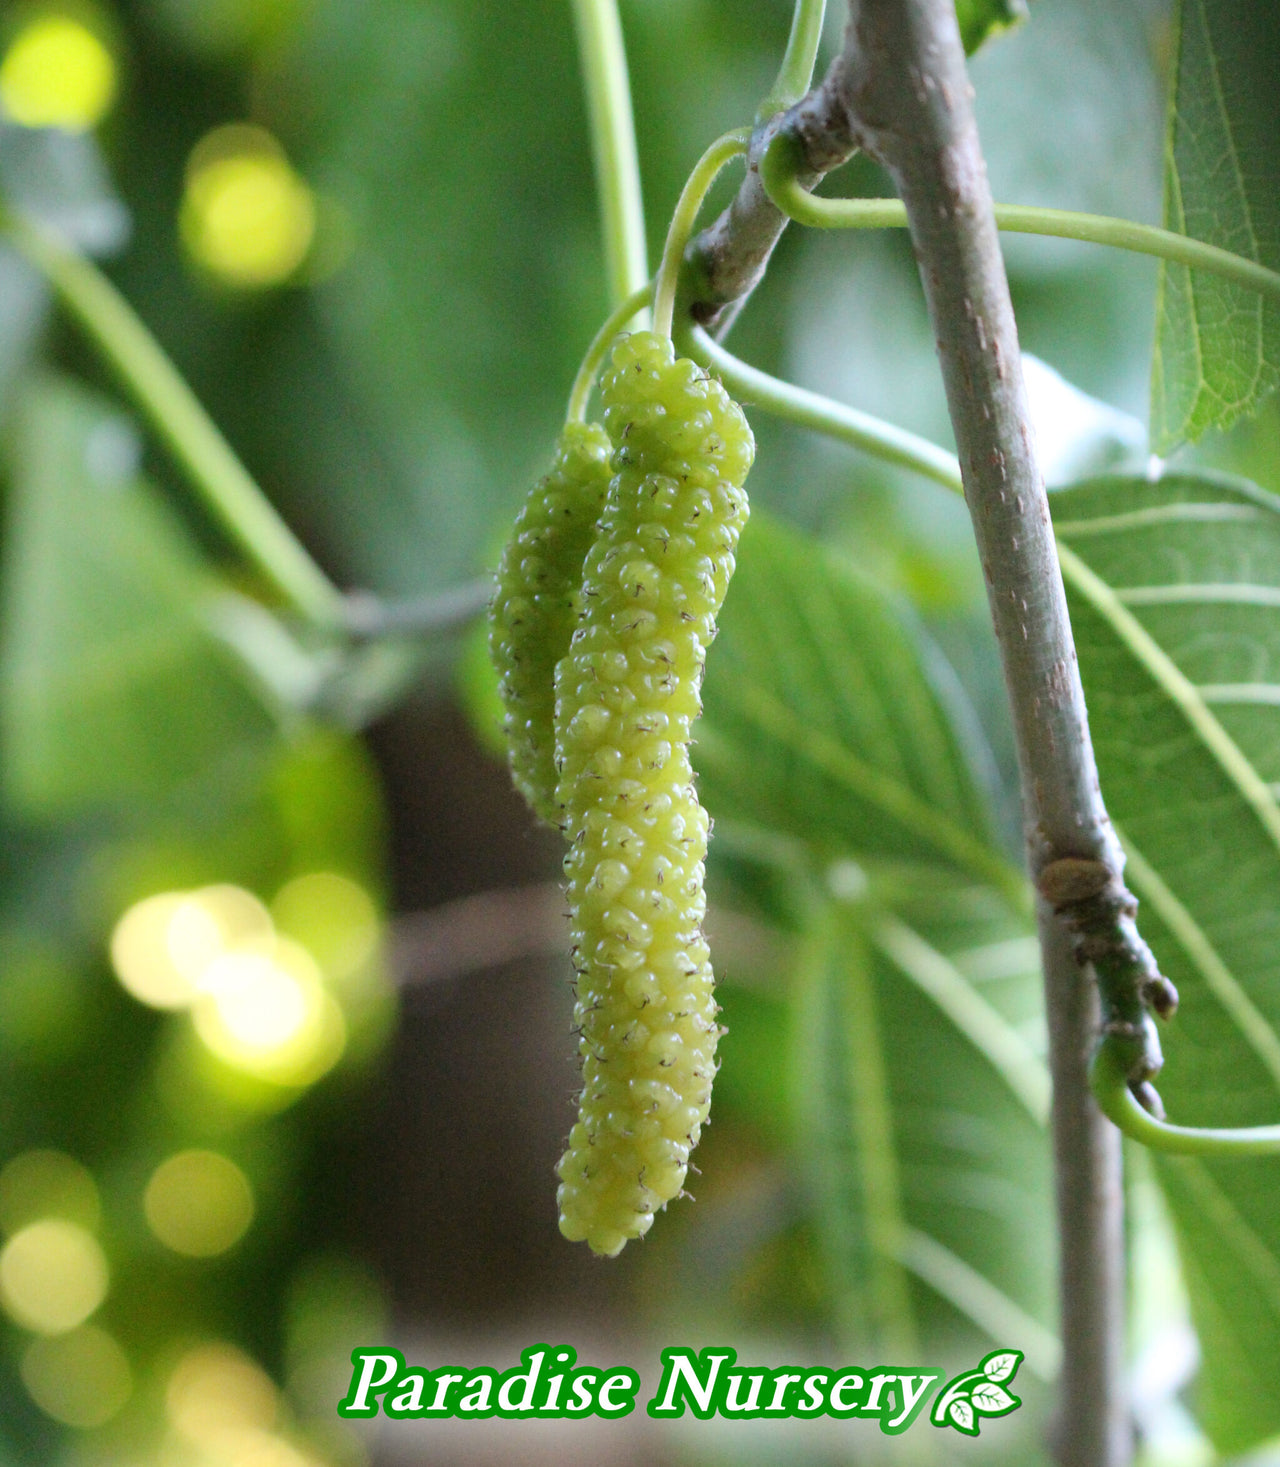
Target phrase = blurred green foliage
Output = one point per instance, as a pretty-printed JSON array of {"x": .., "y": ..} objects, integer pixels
[{"x": 878, "y": 1173}]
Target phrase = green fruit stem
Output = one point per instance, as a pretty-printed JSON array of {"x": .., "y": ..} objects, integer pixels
[
  {"x": 613, "y": 143},
  {"x": 731, "y": 145},
  {"x": 1109, "y": 1080},
  {"x": 601, "y": 342},
  {"x": 796, "y": 71}
]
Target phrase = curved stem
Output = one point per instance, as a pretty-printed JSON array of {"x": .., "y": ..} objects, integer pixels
[
  {"x": 580, "y": 392},
  {"x": 1109, "y": 1080},
  {"x": 778, "y": 174},
  {"x": 731, "y": 145},
  {"x": 1141, "y": 239},
  {"x": 796, "y": 72},
  {"x": 613, "y": 144},
  {"x": 181, "y": 422},
  {"x": 822, "y": 414}
]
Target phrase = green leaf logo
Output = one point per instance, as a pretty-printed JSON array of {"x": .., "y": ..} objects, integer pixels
[
  {"x": 960, "y": 1415},
  {"x": 991, "y": 1400},
  {"x": 976, "y": 1393},
  {"x": 1002, "y": 1365}
]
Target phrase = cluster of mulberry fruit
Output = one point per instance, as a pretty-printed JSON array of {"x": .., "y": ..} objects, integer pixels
[{"x": 626, "y": 694}]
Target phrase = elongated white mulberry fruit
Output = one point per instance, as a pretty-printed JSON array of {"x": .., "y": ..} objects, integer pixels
[
  {"x": 627, "y": 693},
  {"x": 534, "y": 611}
]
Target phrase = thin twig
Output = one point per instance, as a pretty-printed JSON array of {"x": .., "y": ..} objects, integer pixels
[
  {"x": 727, "y": 260},
  {"x": 476, "y": 932},
  {"x": 367, "y": 616},
  {"x": 1093, "y": 1428}
]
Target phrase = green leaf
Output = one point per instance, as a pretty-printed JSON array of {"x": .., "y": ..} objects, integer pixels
[
  {"x": 980, "y": 20},
  {"x": 925, "y": 1164},
  {"x": 830, "y": 718},
  {"x": 112, "y": 691},
  {"x": 1175, "y": 598},
  {"x": 834, "y": 731},
  {"x": 1217, "y": 350},
  {"x": 961, "y": 1413}
]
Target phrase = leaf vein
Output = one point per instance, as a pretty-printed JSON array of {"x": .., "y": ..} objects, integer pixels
[
  {"x": 1179, "y": 689},
  {"x": 1195, "y": 942}
]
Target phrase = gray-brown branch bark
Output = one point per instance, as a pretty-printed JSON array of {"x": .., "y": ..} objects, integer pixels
[
  {"x": 727, "y": 260},
  {"x": 1093, "y": 1423},
  {"x": 900, "y": 90},
  {"x": 908, "y": 96}
]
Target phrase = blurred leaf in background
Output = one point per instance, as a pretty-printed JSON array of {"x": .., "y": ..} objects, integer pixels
[
  {"x": 115, "y": 693},
  {"x": 367, "y": 235},
  {"x": 1218, "y": 346},
  {"x": 835, "y": 732},
  {"x": 1178, "y": 636}
]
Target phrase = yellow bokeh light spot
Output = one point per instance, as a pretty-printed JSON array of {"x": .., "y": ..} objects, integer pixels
[
  {"x": 53, "y": 1275},
  {"x": 215, "y": 1390},
  {"x": 141, "y": 957},
  {"x": 264, "y": 1010},
  {"x": 211, "y": 921},
  {"x": 162, "y": 945},
  {"x": 57, "y": 73},
  {"x": 247, "y": 217},
  {"x": 333, "y": 917},
  {"x": 38, "y": 1184},
  {"x": 199, "y": 1203},
  {"x": 81, "y": 1379},
  {"x": 262, "y": 1449},
  {"x": 261, "y": 1005}
]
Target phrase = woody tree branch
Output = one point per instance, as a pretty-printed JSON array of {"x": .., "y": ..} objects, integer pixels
[
  {"x": 727, "y": 260},
  {"x": 899, "y": 90},
  {"x": 902, "y": 78}
]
